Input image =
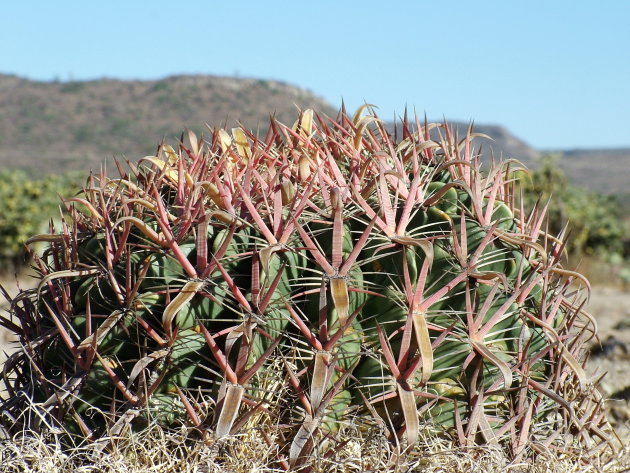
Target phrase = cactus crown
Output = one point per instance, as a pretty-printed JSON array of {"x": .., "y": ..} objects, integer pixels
[{"x": 323, "y": 273}]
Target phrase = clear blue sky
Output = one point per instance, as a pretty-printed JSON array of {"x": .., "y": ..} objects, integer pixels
[{"x": 556, "y": 73}]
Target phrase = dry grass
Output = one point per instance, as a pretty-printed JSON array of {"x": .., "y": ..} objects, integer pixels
[{"x": 156, "y": 450}]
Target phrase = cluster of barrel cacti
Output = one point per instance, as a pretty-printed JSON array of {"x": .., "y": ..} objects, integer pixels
[{"x": 322, "y": 275}]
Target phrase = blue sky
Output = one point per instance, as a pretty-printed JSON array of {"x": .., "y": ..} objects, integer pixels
[{"x": 556, "y": 73}]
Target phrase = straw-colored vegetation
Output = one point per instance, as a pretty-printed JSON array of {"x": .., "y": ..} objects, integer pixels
[{"x": 155, "y": 450}]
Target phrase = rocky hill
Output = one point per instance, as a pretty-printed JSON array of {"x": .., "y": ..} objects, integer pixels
[
  {"x": 55, "y": 126},
  {"x": 603, "y": 170},
  {"x": 50, "y": 127}
]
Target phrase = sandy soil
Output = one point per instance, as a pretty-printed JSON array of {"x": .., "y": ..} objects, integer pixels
[{"x": 611, "y": 308}]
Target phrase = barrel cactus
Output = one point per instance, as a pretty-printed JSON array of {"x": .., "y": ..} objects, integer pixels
[{"x": 325, "y": 274}]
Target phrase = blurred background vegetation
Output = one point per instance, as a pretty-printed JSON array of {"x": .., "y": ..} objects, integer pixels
[
  {"x": 596, "y": 224},
  {"x": 27, "y": 205}
]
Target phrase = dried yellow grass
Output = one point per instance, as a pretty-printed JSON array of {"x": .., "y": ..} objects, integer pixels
[
  {"x": 257, "y": 448},
  {"x": 156, "y": 450}
]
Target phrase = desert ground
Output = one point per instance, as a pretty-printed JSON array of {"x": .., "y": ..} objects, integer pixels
[{"x": 611, "y": 308}]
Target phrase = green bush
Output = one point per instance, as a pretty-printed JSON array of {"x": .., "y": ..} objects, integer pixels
[
  {"x": 595, "y": 221},
  {"x": 26, "y": 207}
]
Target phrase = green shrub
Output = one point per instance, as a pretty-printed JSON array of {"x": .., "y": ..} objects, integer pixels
[
  {"x": 594, "y": 220},
  {"x": 26, "y": 206}
]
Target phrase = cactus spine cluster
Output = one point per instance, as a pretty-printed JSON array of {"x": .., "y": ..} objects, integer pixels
[{"x": 369, "y": 277}]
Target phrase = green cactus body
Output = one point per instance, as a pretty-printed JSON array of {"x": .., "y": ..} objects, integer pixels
[
  {"x": 336, "y": 412},
  {"x": 183, "y": 364},
  {"x": 164, "y": 270}
]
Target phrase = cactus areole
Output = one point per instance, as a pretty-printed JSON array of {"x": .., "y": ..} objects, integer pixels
[{"x": 323, "y": 275}]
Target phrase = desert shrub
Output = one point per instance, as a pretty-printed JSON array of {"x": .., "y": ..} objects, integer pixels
[
  {"x": 26, "y": 206},
  {"x": 594, "y": 220}
]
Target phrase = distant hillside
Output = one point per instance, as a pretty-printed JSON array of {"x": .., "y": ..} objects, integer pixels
[
  {"x": 603, "y": 170},
  {"x": 50, "y": 127},
  {"x": 54, "y": 126}
]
